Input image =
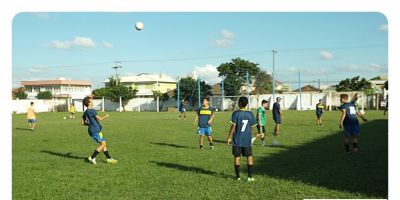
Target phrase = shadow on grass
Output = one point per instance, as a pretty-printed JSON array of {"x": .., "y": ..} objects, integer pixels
[
  {"x": 24, "y": 129},
  {"x": 64, "y": 155},
  {"x": 324, "y": 163},
  {"x": 170, "y": 145},
  {"x": 196, "y": 170}
]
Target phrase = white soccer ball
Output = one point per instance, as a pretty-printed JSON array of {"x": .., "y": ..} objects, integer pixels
[
  {"x": 65, "y": 117},
  {"x": 139, "y": 26},
  {"x": 362, "y": 112}
]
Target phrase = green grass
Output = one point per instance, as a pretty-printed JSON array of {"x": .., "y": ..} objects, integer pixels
[{"x": 159, "y": 159}]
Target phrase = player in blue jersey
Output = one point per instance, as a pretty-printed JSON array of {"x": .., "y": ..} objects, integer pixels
[
  {"x": 204, "y": 118},
  {"x": 182, "y": 109},
  {"x": 349, "y": 122},
  {"x": 277, "y": 115},
  {"x": 91, "y": 119},
  {"x": 242, "y": 122}
]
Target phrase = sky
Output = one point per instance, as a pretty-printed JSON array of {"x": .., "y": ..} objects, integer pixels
[{"x": 85, "y": 46}]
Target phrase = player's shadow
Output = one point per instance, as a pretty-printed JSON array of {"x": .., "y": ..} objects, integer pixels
[
  {"x": 170, "y": 145},
  {"x": 219, "y": 141},
  {"x": 191, "y": 169},
  {"x": 324, "y": 163},
  {"x": 64, "y": 155},
  {"x": 23, "y": 129}
]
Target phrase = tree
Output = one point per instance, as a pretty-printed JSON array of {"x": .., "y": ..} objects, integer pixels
[
  {"x": 44, "y": 95},
  {"x": 188, "y": 90},
  {"x": 235, "y": 74},
  {"x": 21, "y": 94},
  {"x": 263, "y": 83},
  {"x": 353, "y": 84},
  {"x": 161, "y": 97},
  {"x": 113, "y": 92}
]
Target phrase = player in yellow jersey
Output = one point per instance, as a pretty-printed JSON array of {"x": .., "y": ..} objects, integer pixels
[{"x": 31, "y": 116}]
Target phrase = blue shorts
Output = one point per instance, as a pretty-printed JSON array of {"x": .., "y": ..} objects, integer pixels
[
  {"x": 98, "y": 137},
  {"x": 31, "y": 121},
  {"x": 204, "y": 131},
  {"x": 277, "y": 119},
  {"x": 182, "y": 110},
  {"x": 319, "y": 114},
  {"x": 351, "y": 130}
]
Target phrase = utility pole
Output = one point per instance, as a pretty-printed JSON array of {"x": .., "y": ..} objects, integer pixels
[
  {"x": 116, "y": 67},
  {"x": 273, "y": 74},
  {"x": 248, "y": 88},
  {"x": 222, "y": 93},
  {"x": 178, "y": 89},
  {"x": 198, "y": 91}
]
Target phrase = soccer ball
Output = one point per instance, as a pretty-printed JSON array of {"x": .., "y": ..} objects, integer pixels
[
  {"x": 65, "y": 117},
  {"x": 139, "y": 26},
  {"x": 362, "y": 112}
]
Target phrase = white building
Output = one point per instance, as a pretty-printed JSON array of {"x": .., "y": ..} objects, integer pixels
[{"x": 74, "y": 89}]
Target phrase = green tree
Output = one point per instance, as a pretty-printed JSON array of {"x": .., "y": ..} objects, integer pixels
[
  {"x": 188, "y": 90},
  {"x": 44, "y": 95},
  {"x": 235, "y": 74},
  {"x": 263, "y": 83},
  {"x": 21, "y": 94},
  {"x": 113, "y": 92},
  {"x": 162, "y": 97},
  {"x": 353, "y": 84}
]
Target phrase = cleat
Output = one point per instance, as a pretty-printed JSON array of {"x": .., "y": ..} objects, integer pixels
[
  {"x": 250, "y": 179},
  {"x": 238, "y": 179},
  {"x": 201, "y": 148},
  {"x": 93, "y": 161},
  {"x": 112, "y": 161},
  {"x": 211, "y": 147},
  {"x": 252, "y": 140}
]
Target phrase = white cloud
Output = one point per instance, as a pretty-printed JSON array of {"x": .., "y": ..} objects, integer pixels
[
  {"x": 207, "y": 73},
  {"x": 225, "y": 40},
  {"x": 84, "y": 42},
  {"x": 383, "y": 27},
  {"x": 372, "y": 68},
  {"x": 60, "y": 44},
  {"x": 41, "y": 15},
  {"x": 38, "y": 69},
  {"x": 292, "y": 69},
  {"x": 325, "y": 55},
  {"x": 107, "y": 44}
]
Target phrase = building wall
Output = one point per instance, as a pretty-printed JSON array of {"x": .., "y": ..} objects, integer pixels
[{"x": 76, "y": 92}]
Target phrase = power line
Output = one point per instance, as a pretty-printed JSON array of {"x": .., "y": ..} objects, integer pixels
[{"x": 208, "y": 57}]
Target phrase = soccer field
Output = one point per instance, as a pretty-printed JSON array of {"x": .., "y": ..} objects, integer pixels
[{"x": 159, "y": 158}]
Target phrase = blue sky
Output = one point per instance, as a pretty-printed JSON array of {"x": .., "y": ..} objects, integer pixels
[{"x": 325, "y": 46}]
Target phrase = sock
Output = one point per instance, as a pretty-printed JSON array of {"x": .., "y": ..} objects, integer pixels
[
  {"x": 94, "y": 154},
  {"x": 347, "y": 147},
  {"x": 250, "y": 170},
  {"x": 107, "y": 155},
  {"x": 201, "y": 146},
  {"x": 237, "y": 171},
  {"x": 354, "y": 145},
  {"x": 263, "y": 138},
  {"x": 211, "y": 144}
]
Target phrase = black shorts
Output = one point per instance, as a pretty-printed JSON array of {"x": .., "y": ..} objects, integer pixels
[
  {"x": 261, "y": 129},
  {"x": 244, "y": 151},
  {"x": 277, "y": 119}
]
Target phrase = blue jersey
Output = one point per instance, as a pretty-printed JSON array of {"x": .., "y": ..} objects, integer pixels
[
  {"x": 275, "y": 109},
  {"x": 243, "y": 120},
  {"x": 90, "y": 117},
  {"x": 351, "y": 113},
  {"x": 204, "y": 115}
]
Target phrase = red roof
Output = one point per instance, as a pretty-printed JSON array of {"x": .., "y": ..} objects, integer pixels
[{"x": 55, "y": 82}]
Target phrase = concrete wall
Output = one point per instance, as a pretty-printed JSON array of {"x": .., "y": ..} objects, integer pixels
[{"x": 21, "y": 106}]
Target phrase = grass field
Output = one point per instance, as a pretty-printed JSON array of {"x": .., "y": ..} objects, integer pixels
[{"x": 159, "y": 159}]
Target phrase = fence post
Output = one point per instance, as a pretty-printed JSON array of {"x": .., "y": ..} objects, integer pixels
[
  {"x": 120, "y": 104},
  {"x": 362, "y": 101},
  {"x": 330, "y": 100},
  {"x": 377, "y": 100},
  {"x": 102, "y": 104},
  {"x": 158, "y": 104}
]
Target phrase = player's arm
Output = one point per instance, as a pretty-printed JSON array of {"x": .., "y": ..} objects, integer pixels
[
  {"x": 102, "y": 118},
  {"x": 259, "y": 119},
  {"x": 280, "y": 111},
  {"x": 196, "y": 119},
  {"x": 361, "y": 116},
  {"x": 228, "y": 139},
  {"x": 211, "y": 119},
  {"x": 342, "y": 118}
]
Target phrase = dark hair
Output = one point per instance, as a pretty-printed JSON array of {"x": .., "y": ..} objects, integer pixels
[
  {"x": 206, "y": 98},
  {"x": 344, "y": 96},
  {"x": 264, "y": 101},
  {"x": 31, "y": 102},
  {"x": 243, "y": 101},
  {"x": 86, "y": 101}
]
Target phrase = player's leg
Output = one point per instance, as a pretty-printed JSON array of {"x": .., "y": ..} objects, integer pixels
[
  {"x": 236, "y": 163},
  {"x": 30, "y": 124},
  {"x": 346, "y": 143},
  {"x": 201, "y": 137},
  {"x": 33, "y": 124},
  {"x": 249, "y": 154},
  {"x": 109, "y": 158},
  {"x": 210, "y": 140},
  {"x": 277, "y": 128},
  {"x": 355, "y": 144},
  {"x": 184, "y": 115},
  {"x": 262, "y": 135}
]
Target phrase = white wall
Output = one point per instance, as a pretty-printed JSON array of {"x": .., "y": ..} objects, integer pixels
[{"x": 21, "y": 106}]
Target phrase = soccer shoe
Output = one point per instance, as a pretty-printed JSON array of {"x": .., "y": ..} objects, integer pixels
[
  {"x": 93, "y": 161},
  {"x": 112, "y": 161},
  {"x": 263, "y": 143},
  {"x": 211, "y": 147},
  {"x": 250, "y": 179},
  {"x": 238, "y": 179}
]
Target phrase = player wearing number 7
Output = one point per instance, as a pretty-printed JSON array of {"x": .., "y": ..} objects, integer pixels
[
  {"x": 349, "y": 122},
  {"x": 242, "y": 122}
]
